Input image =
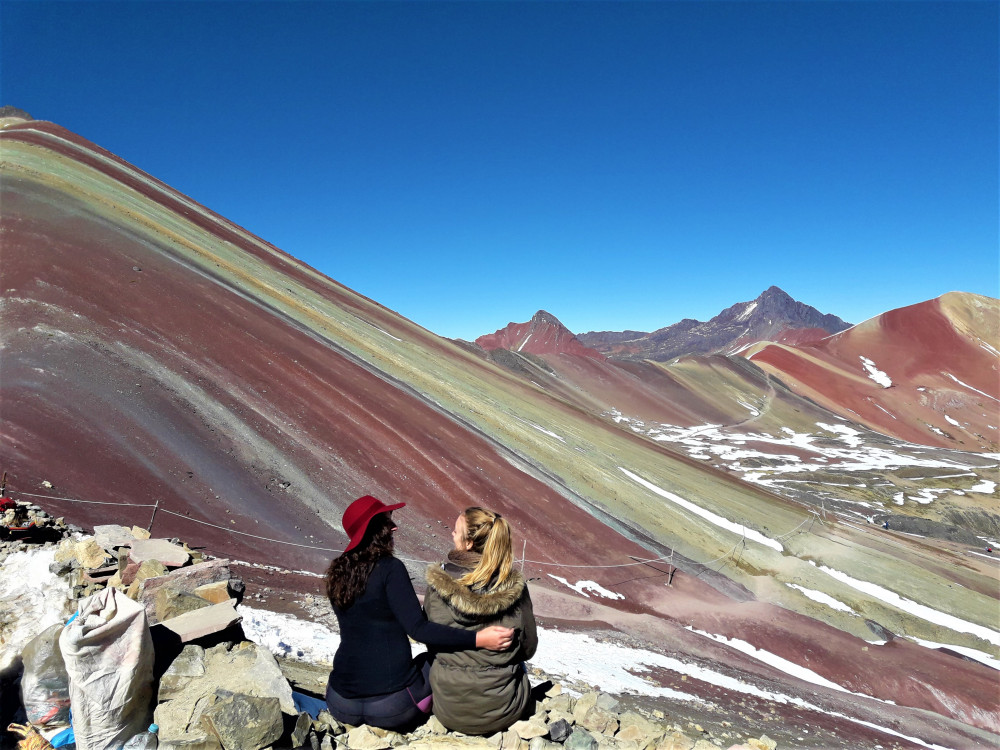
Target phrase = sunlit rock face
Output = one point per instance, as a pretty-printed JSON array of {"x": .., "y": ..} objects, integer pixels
[{"x": 160, "y": 358}]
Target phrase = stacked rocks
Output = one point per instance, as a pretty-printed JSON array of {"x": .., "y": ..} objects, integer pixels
[
  {"x": 591, "y": 721},
  {"x": 24, "y": 524}
]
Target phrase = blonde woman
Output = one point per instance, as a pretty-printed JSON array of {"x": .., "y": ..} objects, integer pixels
[{"x": 478, "y": 691}]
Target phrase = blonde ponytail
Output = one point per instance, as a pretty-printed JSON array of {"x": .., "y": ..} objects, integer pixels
[{"x": 489, "y": 533}]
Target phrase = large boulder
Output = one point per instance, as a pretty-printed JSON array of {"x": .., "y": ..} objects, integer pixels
[
  {"x": 188, "y": 665},
  {"x": 583, "y": 704},
  {"x": 183, "y": 579},
  {"x": 599, "y": 721},
  {"x": 243, "y": 722},
  {"x": 530, "y": 728},
  {"x": 195, "y": 685},
  {"x": 581, "y": 739}
]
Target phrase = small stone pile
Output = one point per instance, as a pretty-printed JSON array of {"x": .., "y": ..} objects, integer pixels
[
  {"x": 179, "y": 589},
  {"x": 23, "y": 524},
  {"x": 591, "y": 721}
]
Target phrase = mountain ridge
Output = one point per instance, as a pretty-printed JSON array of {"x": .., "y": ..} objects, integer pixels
[{"x": 771, "y": 315}]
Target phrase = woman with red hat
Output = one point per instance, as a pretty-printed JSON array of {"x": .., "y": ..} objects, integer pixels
[{"x": 375, "y": 680}]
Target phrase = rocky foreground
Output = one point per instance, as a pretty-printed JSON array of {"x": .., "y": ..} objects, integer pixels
[{"x": 213, "y": 689}]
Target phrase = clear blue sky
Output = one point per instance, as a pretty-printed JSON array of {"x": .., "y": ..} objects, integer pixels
[{"x": 619, "y": 164}]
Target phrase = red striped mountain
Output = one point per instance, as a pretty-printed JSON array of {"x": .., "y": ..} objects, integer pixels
[
  {"x": 543, "y": 334},
  {"x": 927, "y": 373},
  {"x": 773, "y": 316}
]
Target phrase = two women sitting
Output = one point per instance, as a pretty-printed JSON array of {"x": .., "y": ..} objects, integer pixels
[{"x": 479, "y": 628}]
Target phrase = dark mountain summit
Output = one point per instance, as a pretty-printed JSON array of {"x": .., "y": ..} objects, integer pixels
[
  {"x": 773, "y": 316},
  {"x": 9, "y": 111}
]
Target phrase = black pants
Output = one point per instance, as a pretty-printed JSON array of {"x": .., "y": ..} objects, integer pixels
[{"x": 399, "y": 711}]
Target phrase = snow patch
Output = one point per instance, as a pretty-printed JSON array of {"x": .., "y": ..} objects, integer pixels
[
  {"x": 980, "y": 656},
  {"x": 778, "y": 662},
  {"x": 879, "y": 406},
  {"x": 619, "y": 670},
  {"x": 874, "y": 373},
  {"x": 746, "y": 313},
  {"x": 385, "y": 332},
  {"x": 948, "y": 374},
  {"x": 985, "y": 486},
  {"x": 284, "y": 635},
  {"x": 582, "y": 587},
  {"x": 541, "y": 429},
  {"x": 32, "y": 598},
  {"x": 819, "y": 596},
  {"x": 708, "y": 515},
  {"x": 914, "y": 608}
]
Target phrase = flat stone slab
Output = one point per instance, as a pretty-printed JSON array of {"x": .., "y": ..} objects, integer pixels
[
  {"x": 171, "y": 555},
  {"x": 205, "y": 621},
  {"x": 110, "y": 536},
  {"x": 100, "y": 575}
]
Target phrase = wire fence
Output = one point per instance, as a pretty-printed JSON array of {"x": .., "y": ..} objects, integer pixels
[{"x": 740, "y": 545}]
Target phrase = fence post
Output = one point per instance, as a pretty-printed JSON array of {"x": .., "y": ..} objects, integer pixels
[{"x": 155, "y": 508}]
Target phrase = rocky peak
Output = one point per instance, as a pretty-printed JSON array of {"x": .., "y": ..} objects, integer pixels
[
  {"x": 9, "y": 111},
  {"x": 767, "y": 318},
  {"x": 12, "y": 116},
  {"x": 543, "y": 334},
  {"x": 546, "y": 318}
]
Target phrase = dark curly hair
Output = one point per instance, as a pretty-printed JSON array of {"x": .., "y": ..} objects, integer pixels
[{"x": 348, "y": 574}]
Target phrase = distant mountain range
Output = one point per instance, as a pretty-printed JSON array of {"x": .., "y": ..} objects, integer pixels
[
  {"x": 773, "y": 316},
  {"x": 923, "y": 373}
]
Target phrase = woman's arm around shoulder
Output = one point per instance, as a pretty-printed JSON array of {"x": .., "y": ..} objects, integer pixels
[{"x": 406, "y": 608}]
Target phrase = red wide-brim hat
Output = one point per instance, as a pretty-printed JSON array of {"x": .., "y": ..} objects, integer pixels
[{"x": 359, "y": 514}]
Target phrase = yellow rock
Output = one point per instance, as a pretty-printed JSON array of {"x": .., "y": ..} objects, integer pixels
[
  {"x": 90, "y": 554},
  {"x": 139, "y": 533},
  {"x": 148, "y": 569},
  {"x": 66, "y": 551},
  {"x": 216, "y": 593}
]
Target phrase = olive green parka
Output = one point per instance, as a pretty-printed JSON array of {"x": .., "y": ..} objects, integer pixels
[{"x": 479, "y": 691}]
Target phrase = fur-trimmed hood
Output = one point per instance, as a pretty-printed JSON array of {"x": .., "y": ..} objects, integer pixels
[{"x": 473, "y": 602}]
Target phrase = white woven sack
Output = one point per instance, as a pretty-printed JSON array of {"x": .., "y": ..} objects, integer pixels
[{"x": 109, "y": 657}]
